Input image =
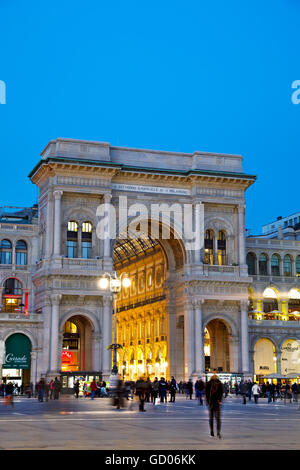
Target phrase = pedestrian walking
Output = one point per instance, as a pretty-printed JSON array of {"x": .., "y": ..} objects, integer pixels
[
  {"x": 155, "y": 390},
  {"x": 173, "y": 389},
  {"x": 9, "y": 397},
  {"x": 93, "y": 388},
  {"x": 41, "y": 389},
  {"x": 140, "y": 390},
  {"x": 76, "y": 388},
  {"x": 226, "y": 389},
  {"x": 255, "y": 392},
  {"x": 295, "y": 392},
  {"x": 190, "y": 388},
  {"x": 163, "y": 390},
  {"x": 199, "y": 390},
  {"x": 51, "y": 387},
  {"x": 244, "y": 391},
  {"x": 214, "y": 395},
  {"x": 56, "y": 388}
]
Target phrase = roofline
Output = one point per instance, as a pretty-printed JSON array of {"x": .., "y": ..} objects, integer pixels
[
  {"x": 124, "y": 167},
  {"x": 282, "y": 218},
  {"x": 134, "y": 149}
]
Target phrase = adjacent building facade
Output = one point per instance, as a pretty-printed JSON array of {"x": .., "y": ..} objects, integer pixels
[{"x": 189, "y": 308}]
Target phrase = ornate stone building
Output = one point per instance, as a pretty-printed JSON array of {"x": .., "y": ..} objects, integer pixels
[{"x": 186, "y": 310}]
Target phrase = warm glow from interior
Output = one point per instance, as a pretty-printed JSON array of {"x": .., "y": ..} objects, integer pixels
[
  {"x": 294, "y": 294},
  {"x": 269, "y": 293}
]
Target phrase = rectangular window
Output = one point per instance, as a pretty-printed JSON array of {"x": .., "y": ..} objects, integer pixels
[
  {"x": 86, "y": 250},
  {"x": 21, "y": 258},
  {"x": 5, "y": 257},
  {"x": 72, "y": 249}
]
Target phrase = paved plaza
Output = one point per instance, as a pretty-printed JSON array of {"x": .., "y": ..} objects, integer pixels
[{"x": 86, "y": 424}]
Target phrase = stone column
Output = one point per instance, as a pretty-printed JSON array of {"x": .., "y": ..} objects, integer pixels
[
  {"x": 215, "y": 254},
  {"x": 49, "y": 226},
  {"x": 199, "y": 226},
  {"x": 79, "y": 240},
  {"x": 199, "y": 350},
  {"x": 55, "y": 300},
  {"x": 46, "y": 315},
  {"x": 281, "y": 266},
  {"x": 96, "y": 339},
  {"x": 189, "y": 336},
  {"x": 2, "y": 356},
  {"x": 170, "y": 325},
  {"x": 241, "y": 217},
  {"x": 33, "y": 366},
  {"x": 244, "y": 338},
  {"x": 13, "y": 257},
  {"x": 107, "y": 200},
  {"x": 57, "y": 222},
  {"x": 106, "y": 336}
]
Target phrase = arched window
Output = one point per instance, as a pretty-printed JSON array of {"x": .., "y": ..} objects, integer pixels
[
  {"x": 251, "y": 262},
  {"x": 72, "y": 242},
  {"x": 12, "y": 296},
  {"x": 5, "y": 252},
  {"x": 86, "y": 243},
  {"x": 270, "y": 302},
  {"x": 275, "y": 265},
  {"x": 287, "y": 266},
  {"x": 221, "y": 248},
  {"x": 262, "y": 263},
  {"x": 209, "y": 247},
  {"x": 294, "y": 302},
  {"x": 21, "y": 252},
  {"x": 298, "y": 266}
]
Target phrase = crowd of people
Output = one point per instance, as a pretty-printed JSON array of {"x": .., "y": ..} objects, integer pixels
[{"x": 268, "y": 390}]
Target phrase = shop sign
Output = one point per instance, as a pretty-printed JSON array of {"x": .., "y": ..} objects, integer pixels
[{"x": 17, "y": 352}]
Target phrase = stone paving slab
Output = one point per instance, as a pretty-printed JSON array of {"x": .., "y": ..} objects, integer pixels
[{"x": 93, "y": 424}]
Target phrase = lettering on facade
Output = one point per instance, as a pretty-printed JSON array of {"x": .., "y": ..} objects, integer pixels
[{"x": 151, "y": 189}]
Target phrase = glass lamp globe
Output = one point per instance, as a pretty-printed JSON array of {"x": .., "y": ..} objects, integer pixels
[
  {"x": 126, "y": 282},
  {"x": 103, "y": 283}
]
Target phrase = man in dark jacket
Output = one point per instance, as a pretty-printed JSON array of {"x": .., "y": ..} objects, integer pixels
[
  {"x": 214, "y": 395},
  {"x": 172, "y": 390},
  {"x": 56, "y": 388},
  {"x": 140, "y": 390},
  {"x": 163, "y": 390},
  {"x": 244, "y": 391}
]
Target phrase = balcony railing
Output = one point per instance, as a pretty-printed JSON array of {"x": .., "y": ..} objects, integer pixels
[
  {"x": 221, "y": 269},
  {"x": 261, "y": 316}
]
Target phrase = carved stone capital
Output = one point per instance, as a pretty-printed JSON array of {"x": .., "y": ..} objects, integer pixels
[
  {"x": 55, "y": 299},
  {"x": 57, "y": 194},
  {"x": 107, "y": 300}
]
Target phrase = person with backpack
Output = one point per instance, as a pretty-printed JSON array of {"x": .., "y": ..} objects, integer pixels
[{"x": 214, "y": 394}]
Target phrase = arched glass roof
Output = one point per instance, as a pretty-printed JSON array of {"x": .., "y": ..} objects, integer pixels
[{"x": 133, "y": 247}]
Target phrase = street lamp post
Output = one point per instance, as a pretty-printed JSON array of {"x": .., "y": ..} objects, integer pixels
[{"x": 114, "y": 283}]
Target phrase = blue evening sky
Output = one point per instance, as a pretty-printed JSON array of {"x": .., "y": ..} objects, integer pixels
[{"x": 171, "y": 75}]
